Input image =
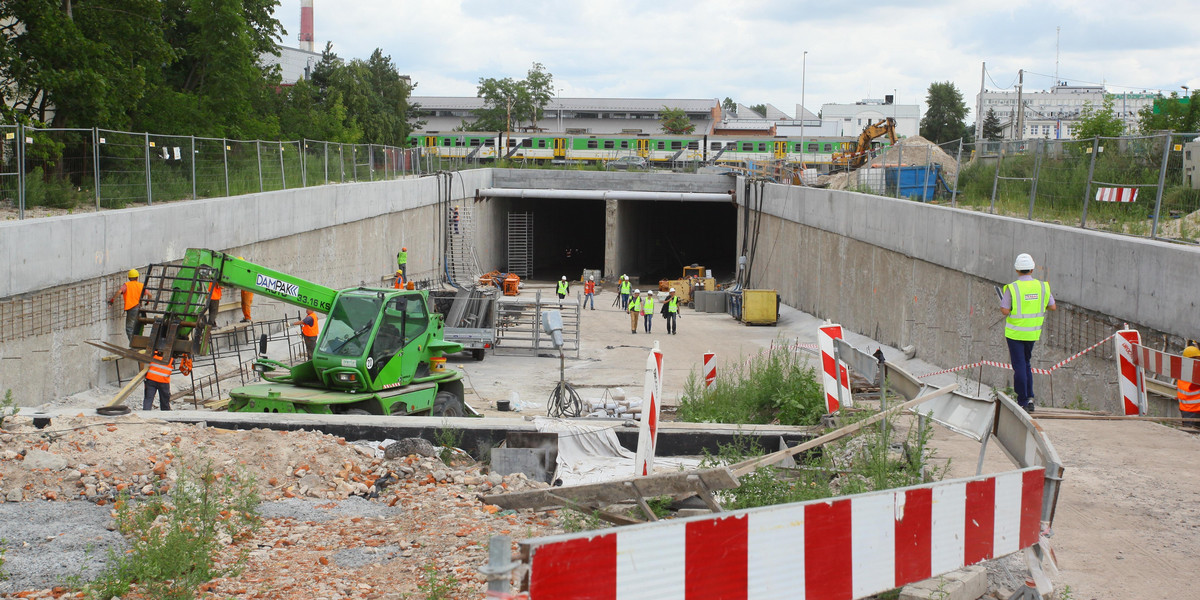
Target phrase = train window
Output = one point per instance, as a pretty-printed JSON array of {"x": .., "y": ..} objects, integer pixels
[
  {"x": 458, "y": 142},
  {"x": 828, "y": 148},
  {"x": 747, "y": 147},
  {"x": 608, "y": 145},
  {"x": 541, "y": 143},
  {"x": 676, "y": 145},
  {"x": 475, "y": 142},
  {"x": 445, "y": 141},
  {"x": 798, "y": 148},
  {"x": 593, "y": 144},
  {"x": 715, "y": 146},
  {"x": 489, "y": 142},
  {"x": 526, "y": 143},
  {"x": 624, "y": 144},
  {"x": 813, "y": 147},
  {"x": 693, "y": 145},
  {"x": 662, "y": 145},
  {"x": 762, "y": 147}
]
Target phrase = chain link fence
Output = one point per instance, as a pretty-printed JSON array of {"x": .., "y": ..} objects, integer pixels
[{"x": 94, "y": 169}]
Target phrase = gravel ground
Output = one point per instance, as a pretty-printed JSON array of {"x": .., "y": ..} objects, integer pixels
[
  {"x": 318, "y": 511},
  {"x": 48, "y": 542}
]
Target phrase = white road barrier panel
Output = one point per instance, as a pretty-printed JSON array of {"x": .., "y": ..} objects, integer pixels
[
  {"x": 845, "y": 548},
  {"x": 648, "y": 426},
  {"x": 1116, "y": 194},
  {"x": 1130, "y": 382},
  {"x": 710, "y": 369},
  {"x": 836, "y": 376}
]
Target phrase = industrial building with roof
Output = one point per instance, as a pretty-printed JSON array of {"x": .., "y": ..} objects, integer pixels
[{"x": 575, "y": 115}]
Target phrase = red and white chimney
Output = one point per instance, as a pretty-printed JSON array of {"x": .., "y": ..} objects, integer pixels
[{"x": 306, "y": 25}]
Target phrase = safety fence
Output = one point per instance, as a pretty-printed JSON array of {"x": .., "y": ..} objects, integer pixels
[{"x": 94, "y": 169}]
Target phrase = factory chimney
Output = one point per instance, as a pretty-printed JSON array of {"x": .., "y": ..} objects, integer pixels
[{"x": 306, "y": 25}]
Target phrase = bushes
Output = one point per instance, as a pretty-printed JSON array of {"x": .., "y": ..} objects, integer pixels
[{"x": 774, "y": 386}]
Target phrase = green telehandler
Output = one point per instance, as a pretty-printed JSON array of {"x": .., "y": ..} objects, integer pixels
[{"x": 379, "y": 351}]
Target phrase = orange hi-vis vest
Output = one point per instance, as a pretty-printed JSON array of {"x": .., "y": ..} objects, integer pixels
[
  {"x": 133, "y": 293},
  {"x": 589, "y": 287},
  {"x": 310, "y": 331},
  {"x": 1189, "y": 396},
  {"x": 216, "y": 292},
  {"x": 160, "y": 373},
  {"x": 399, "y": 284}
]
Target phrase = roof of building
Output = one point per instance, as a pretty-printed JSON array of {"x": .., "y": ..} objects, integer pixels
[{"x": 578, "y": 104}]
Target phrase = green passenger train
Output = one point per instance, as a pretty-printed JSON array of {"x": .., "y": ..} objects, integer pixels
[{"x": 730, "y": 150}]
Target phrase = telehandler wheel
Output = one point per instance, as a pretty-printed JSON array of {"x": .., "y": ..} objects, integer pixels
[
  {"x": 356, "y": 411},
  {"x": 446, "y": 404}
]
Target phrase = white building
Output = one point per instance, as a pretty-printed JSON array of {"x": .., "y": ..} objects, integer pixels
[
  {"x": 855, "y": 117},
  {"x": 294, "y": 64},
  {"x": 1052, "y": 114},
  {"x": 576, "y": 115}
]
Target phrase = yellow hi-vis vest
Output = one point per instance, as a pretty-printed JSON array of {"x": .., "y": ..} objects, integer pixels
[
  {"x": 648, "y": 305},
  {"x": 625, "y": 287},
  {"x": 562, "y": 287},
  {"x": 1029, "y": 300},
  {"x": 635, "y": 304},
  {"x": 673, "y": 304}
]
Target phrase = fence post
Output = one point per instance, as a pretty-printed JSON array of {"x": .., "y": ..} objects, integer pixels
[
  {"x": 282, "y": 172},
  {"x": 957, "y": 172},
  {"x": 193, "y": 138},
  {"x": 342, "y": 161},
  {"x": 96, "y": 164},
  {"x": 326, "y": 162},
  {"x": 258, "y": 152},
  {"x": 225, "y": 163},
  {"x": 371, "y": 162},
  {"x": 1037, "y": 165},
  {"x": 20, "y": 171},
  {"x": 1087, "y": 190},
  {"x": 899, "y": 163},
  {"x": 1162, "y": 180},
  {"x": 996, "y": 177},
  {"x": 303, "y": 162},
  {"x": 928, "y": 168},
  {"x": 149, "y": 187}
]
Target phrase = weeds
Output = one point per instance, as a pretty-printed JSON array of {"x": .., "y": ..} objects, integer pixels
[
  {"x": 175, "y": 538},
  {"x": 660, "y": 505},
  {"x": 774, "y": 386},
  {"x": 447, "y": 439},
  {"x": 436, "y": 586},
  {"x": 1079, "y": 404},
  {"x": 574, "y": 521},
  {"x": 8, "y": 407},
  {"x": 3, "y": 551}
]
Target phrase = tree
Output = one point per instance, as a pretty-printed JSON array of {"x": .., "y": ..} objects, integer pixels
[
  {"x": 761, "y": 109},
  {"x": 1173, "y": 113},
  {"x": 992, "y": 129},
  {"x": 945, "y": 115},
  {"x": 1102, "y": 122},
  {"x": 675, "y": 122},
  {"x": 509, "y": 102},
  {"x": 729, "y": 106}
]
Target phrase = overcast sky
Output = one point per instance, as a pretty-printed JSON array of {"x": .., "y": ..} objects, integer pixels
[{"x": 751, "y": 50}]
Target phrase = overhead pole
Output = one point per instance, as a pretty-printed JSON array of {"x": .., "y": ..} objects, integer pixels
[
  {"x": 979, "y": 104},
  {"x": 1020, "y": 120}
]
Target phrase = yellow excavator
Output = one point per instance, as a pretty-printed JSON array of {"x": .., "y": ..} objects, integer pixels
[{"x": 846, "y": 161}]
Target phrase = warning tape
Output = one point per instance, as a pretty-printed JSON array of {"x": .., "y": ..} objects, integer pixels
[{"x": 1002, "y": 365}]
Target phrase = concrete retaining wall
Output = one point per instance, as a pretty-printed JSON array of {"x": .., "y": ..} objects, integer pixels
[
  {"x": 909, "y": 273},
  {"x": 58, "y": 271}
]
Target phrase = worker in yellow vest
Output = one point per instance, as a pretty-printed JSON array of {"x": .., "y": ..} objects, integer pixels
[
  {"x": 132, "y": 291},
  {"x": 670, "y": 311},
  {"x": 562, "y": 289},
  {"x": 634, "y": 309},
  {"x": 158, "y": 381},
  {"x": 624, "y": 291},
  {"x": 648, "y": 309},
  {"x": 1189, "y": 392},
  {"x": 402, "y": 259},
  {"x": 1024, "y": 304}
]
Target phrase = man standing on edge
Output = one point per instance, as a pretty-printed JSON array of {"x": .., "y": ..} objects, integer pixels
[
  {"x": 309, "y": 330},
  {"x": 589, "y": 291},
  {"x": 1024, "y": 304},
  {"x": 1189, "y": 393},
  {"x": 624, "y": 291},
  {"x": 648, "y": 309},
  {"x": 634, "y": 309},
  {"x": 158, "y": 380},
  {"x": 133, "y": 291},
  {"x": 402, "y": 259},
  {"x": 671, "y": 311},
  {"x": 562, "y": 290}
]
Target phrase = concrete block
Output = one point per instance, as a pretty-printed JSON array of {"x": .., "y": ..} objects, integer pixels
[
  {"x": 507, "y": 461},
  {"x": 969, "y": 583}
]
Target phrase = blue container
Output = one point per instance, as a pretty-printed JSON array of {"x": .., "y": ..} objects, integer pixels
[{"x": 915, "y": 182}]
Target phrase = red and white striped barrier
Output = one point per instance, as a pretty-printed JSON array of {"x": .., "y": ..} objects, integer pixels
[
  {"x": 1130, "y": 382},
  {"x": 1167, "y": 364},
  {"x": 648, "y": 427},
  {"x": 1116, "y": 194},
  {"x": 710, "y": 369},
  {"x": 836, "y": 374},
  {"x": 1003, "y": 365},
  {"x": 844, "y": 548}
]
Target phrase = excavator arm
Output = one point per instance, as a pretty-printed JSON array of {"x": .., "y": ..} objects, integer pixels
[{"x": 869, "y": 134}]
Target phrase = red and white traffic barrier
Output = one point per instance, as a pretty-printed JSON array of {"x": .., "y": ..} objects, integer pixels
[
  {"x": 648, "y": 427},
  {"x": 1130, "y": 382},
  {"x": 836, "y": 375},
  {"x": 710, "y": 369},
  {"x": 1167, "y": 364},
  {"x": 1116, "y": 194},
  {"x": 836, "y": 548}
]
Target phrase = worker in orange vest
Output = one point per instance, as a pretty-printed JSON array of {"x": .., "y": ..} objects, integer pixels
[
  {"x": 589, "y": 291},
  {"x": 214, "y": 304},
  {"x": 398, "y": 281},
  {"x": 247, "y": 299},
  {"x": 1189, "y": 392},
  {"x": 158, "y": 380},
  {"x": 133, "y": 291},
  {"x": 309, "y": 330}
]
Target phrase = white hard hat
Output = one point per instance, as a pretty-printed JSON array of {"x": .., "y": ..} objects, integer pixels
[
  {"x": 637, "y": 291},
  {"x": 672, "y": 289},
  {"x": 1024, "y": 262},
  {"x": 564, "y": 278},
  {"x": 591, "y": 277}
]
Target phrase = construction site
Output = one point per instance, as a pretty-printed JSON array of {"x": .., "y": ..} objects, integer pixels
[{"x": 482, "y": 428}]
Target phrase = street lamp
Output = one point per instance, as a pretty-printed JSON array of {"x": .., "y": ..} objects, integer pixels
[
  {"x": 560, "y": 110},
  {"x": 803, "y": 81}
]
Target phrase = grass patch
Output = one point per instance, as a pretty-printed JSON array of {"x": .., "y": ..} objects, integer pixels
[
  {"x": 8, "y": 408},
  {"x": 447, "y": 439},
  {"x": 436, "y": 586},
  {"x": 574, "y": 521},
  {"x": 773, "y": 387},
  {"x": 175, "y": 538}
]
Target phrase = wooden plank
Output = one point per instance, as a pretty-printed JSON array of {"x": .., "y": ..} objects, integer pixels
[
  {"x": 749, "y": 466},
  {"x": 1037, "y": 416},
  {"x": 603, "y": 515},
  {"x": 124, "y": 392},
  {"x": 613, "y": 492}
]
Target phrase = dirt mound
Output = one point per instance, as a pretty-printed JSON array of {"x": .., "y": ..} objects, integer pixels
[{"x": 918, "y": 151}]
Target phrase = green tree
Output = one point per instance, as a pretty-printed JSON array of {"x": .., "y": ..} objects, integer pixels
[
  {"x": 675, "y": 122},
  {"x": 729, "y": 106},
  {"x": 509, "y": 102},
  {"x": 1102, "y": 122},
  {"x": 992, "y": 130},
  {"x": 1173, "y": 113},
  {"x": 945, "y": 113},
  {"x": 761, "y": 109}
]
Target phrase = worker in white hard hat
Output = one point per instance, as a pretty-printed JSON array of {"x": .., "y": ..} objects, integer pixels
[
  {"x": 132, "y": 292},
  {"x": 635, "y": 310},
  {"x": 1024, "y": 303},
  {"x": 623, "y": 291},
  {"x": 648, "y": 309},
  {"x": 670, "y": 311},
  {"x": 589, "y": 291},
  {"x": 562, "y": 290},
  {"x": 1188, "y": 392}
]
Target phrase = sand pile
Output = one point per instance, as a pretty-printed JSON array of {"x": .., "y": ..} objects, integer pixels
[{"x": 918, "y": 151}]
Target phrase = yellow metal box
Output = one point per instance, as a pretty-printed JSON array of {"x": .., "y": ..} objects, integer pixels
[{"x": 760, "y": 307}]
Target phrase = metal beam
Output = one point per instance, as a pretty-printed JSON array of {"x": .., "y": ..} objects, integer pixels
[{"x": 603, "y": 195}]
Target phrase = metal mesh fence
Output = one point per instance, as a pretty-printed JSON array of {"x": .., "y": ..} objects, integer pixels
[{"x": 124, "y": 168}]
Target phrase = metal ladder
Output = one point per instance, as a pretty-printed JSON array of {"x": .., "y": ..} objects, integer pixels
[
  {"x": 520, "y": 243},
  {"x": 461, "y": 262}
]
